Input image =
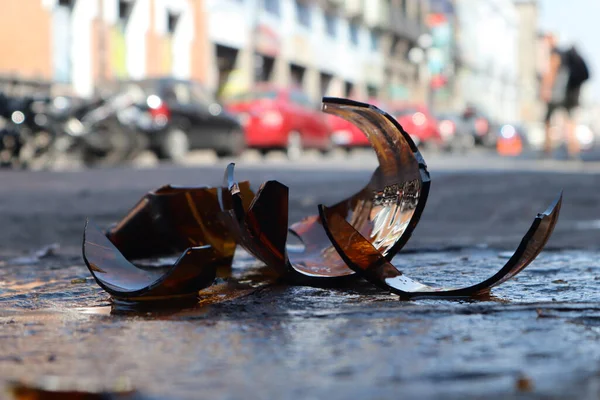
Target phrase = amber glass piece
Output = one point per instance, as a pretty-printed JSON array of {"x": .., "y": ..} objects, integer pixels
[
  {"x": 365, "y": 259},
  {"x": 386, "y": 210},
  {"x": 171, "y": 219},
  {"x": 262, "y": 229},
  {"x": 53, "y": 389},
  {"x": 194, "y": 270}
]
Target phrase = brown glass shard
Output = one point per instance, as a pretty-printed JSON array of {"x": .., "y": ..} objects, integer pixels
[
  {"x": 365, "y": 259},
  {"x": 53, "y": 388},
  {"x": 386, "y": 211},
  {"x": 172, "y": 219},
  {"x": 194, "y": 270}
]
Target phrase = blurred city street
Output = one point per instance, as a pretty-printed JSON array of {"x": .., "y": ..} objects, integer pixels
[
  {"x": 103, "y": 102},
  {"x": 482, "y": 198}
]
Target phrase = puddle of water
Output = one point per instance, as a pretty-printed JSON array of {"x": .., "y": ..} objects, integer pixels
[{"x": 105, "y": 310}]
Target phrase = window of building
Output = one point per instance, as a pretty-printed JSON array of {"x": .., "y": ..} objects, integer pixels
[
  {"x": 124, "y": 11},
  {"x": 301, "y": 99},
  {"x": 61, "y": 43},
  {"x": 348, "y": 89},
  {"x": 325, "y": 82},
  {"x": 271, "y": 6},
  {"x": 297, "y": 73},
  {"x": 372, "y": 91},
  {"x": 226, "y": 58},
  {"x": 172, "y": 20},
  {"x": 354, "y": 34},
  {"x": 374, "y": 39},
  {"x": 303, "y": 13},
  {"x": 263, "y": 68},
  {"x": 331, "y": 25},
  {"x": 403, "y": 6}
]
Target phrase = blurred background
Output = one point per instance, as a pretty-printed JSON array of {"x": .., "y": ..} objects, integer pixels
[{"x": 102, "y": 82}]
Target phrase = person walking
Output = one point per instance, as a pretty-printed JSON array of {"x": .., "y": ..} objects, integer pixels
[{"x": 561, "y": 86}]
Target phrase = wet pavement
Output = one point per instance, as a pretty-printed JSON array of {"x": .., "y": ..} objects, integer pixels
[
  {"x": 301, "y": 342},
  {"x": 536, "y": 337}
]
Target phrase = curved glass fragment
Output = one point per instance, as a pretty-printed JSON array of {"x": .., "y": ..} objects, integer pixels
[
  {"x": 171, "y": 219},
  {"x": 386, "y": 211},
  {"x": 365, "y": 259},
  {"x": 194, "y": 270}
]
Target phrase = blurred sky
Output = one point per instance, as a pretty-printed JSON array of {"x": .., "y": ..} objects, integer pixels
[{"x": 576, "y": 21}]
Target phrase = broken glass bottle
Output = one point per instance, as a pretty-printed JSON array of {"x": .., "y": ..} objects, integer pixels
[{"x": 386, "y": 211}]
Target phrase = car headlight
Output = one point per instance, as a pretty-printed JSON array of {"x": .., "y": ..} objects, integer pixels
[
  {"x": 74, "y": 127},
  {"x": 272, "y": 118}
]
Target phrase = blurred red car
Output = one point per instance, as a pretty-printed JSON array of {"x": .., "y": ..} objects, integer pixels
[
  {"x": 347, "y": 135},
  {"x": 420, "y": 124},
  {"x": 275, "y": 118}
]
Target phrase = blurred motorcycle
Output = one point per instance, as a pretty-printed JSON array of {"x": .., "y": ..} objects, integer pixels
[
  {"x": 102, "y": 131},
  {"x": 28, "y": 132}
]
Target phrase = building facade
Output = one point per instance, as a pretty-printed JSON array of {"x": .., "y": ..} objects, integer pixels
[
  {"x": 350, "y": 48},
  {"x": 83, "y": 43},
  {"x": 531, "y": 63},
  {"x": 487, "y": 74}
]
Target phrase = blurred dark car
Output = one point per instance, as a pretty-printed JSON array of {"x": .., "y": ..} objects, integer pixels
[
  {"x": 420, "y": 124},
  {"x": 480, "y": 126},
  {"x": 180, "y": 115},
  {"x": 454, "y": 132},
  {"x": 276, "y": 118}
]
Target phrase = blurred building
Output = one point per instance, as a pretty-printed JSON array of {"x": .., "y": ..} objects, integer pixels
[
  {"x": 350, "y": 48},
  {"x": 529, "y": 68},
  {"x": 487, "y": 71},
  {"x": 442, "y": 54},
  {"x": 84, "y": 43}
]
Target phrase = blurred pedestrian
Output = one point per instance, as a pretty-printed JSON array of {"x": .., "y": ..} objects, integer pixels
[{"x": 561, "y": 85}]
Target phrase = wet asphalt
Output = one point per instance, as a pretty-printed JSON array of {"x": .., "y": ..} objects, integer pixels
[{"x": 537, "y": 337}]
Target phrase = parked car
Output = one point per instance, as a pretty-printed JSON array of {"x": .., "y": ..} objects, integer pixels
[
  {"x": 276, "y": 118},
  {"x": 454, "y": 132},
  {"x": 420, "y": 124},
  {"x": 347, "y": 135},
  {"x": 480, "y": 126},
  {"x": 180, "y": 115}
]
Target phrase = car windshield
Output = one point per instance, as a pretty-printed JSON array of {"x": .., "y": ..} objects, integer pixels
[
  {"x": 405, "y": 111},
  {"x": 256, "y": 95}
]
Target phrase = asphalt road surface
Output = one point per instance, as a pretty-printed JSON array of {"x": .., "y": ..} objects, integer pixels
[
  {"x": 475, "y": 200},
  {"x": 536, "y": 338}
]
